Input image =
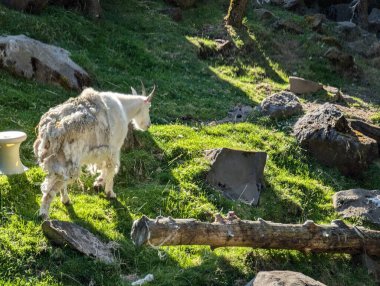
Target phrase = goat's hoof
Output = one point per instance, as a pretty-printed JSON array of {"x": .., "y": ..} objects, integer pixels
[
  {"x": 97, "y": 187},
  {"x": 111, "y": 196},
  {"x": 66, "y": 202},
  {"x": 43, "y": 216}
]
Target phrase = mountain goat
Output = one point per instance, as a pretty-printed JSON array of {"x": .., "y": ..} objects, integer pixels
[{"x": 87, "y": 130}]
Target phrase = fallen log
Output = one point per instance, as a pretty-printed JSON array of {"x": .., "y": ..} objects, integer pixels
[{"x": 307, "y": 237}]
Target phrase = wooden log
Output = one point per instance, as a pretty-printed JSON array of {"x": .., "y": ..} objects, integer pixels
[{"x": 337, "y": 237}]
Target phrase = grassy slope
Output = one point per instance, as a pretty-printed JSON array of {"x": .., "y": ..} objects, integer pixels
[{"x": 166, "y": 174}]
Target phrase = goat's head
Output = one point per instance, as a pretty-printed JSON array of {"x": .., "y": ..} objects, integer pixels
[{"x": 142, "y": 119}]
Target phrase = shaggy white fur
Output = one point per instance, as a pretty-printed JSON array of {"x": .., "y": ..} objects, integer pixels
[{"x": 87, "y": 130}]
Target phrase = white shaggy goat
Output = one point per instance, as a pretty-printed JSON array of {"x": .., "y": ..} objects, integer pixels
[{"x": 87, "y": 130}]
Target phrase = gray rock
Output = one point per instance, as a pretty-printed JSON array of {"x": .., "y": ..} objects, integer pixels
[
  {"x": 263, "y": 14},
  {"x": 301, "y": 85},
  {"x": 238, "y": 174},
  {"x": 281, "y": 105},
  {"x": 341, "y": 61},
  {"x": 374, "y": 20},
  {"x": 289, "y": 26},
  {"x": 358, "y": 203},
  {"x": 31, "y": 6},
  {"x": 67, "y": 233},
  {"x": 339, "y": 12},
  {"x": 284, "y": 278},
  {"x": 368, "y": 46},
  {"x": 33, "y": 59},
  {"x": 348, "y": 31},
  {"x": 239, "y": 113},
  {"x": 327, "y": 135},
  {"x": 367, "y": 129}
]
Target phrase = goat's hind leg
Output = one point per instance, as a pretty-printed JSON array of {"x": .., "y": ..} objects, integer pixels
[
  {"x": 99, "y": 182},
  {"x": 49, "y": 188}
]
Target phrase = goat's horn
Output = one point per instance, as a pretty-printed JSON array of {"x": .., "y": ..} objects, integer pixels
[
  {"x": 134, "y": 92},
  {"x": 143, "y": 88},
  {"x": 150, "y": 96}
]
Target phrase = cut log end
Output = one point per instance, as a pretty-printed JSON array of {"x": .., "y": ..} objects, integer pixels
[{"x": 140, "y": 231}]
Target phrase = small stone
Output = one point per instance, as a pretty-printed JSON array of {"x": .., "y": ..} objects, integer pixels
[
  {"x": 359, "y": 203},
  {"x": 281, "y": 105},
  {"x": 315, "y": 21},
  {"x": 289, "y": 26},
  {"x": 264, "y": 14}
]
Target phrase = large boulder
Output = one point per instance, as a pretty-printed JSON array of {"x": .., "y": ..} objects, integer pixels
[
  {"x": 327, "y": 135},
  {"x": 238, "y": 174},
  {"x": 33, "y": 59},
  {"x": 358, "y": 203},
  {"x": 281, "y": 105},
  {"x": 31, "y": 6},
  {"x": 283, "y": 278}
]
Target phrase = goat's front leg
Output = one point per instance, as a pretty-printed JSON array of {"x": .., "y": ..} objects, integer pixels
[
  {"x": 64, "y": 195},
  {"x": 50, "y": 187}
]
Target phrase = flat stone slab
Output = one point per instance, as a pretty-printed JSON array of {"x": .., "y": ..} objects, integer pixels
[
  {"x": 301, "y": 85},
  {"x": 358, "y": 203},
  {"x": 239, "y": 175},
  {"x": 67, "y": 233},
  {"x": 33, "y": 59},
  {"x": 283, "y": 278}
]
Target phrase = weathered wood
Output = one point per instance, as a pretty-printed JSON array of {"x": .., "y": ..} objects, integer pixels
[
  {"x": 236, "y": 12},
  {"x": 309, "y": 236}
]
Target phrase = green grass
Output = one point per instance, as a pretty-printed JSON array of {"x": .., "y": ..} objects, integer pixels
[{"x": 166, "y": 174}]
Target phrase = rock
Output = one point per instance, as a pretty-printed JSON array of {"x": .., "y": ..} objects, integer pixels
[
  {"x": 291, "y": 4},
  {"x": 284, "y": 278},
  {"x": 331, "y": 41},
  {"x": 32, "y": 59},
  {"x": 339, "y": 12},
  {"x": 315, "y": 21},
  {"x": 358, "y": 203},
  {"x": 327, "y": 135},
  {"x": 31, "y": 6},
  {"x": 348, "y": 31},
  {"x": 368, "y": 46},
  {"x": 367, "y": 129},
  {"x": 288, "y": 25},
  {"x": 342, "y": 61},
  {"x": 301, "y": 85},
  {"x": 281, "y": 105},
  {"x": 67, "y": 233},
  {"x": 184, "y": 4},
  {"x": 263, "y": 14},
  {"x": 239, "y": 175},
  {"x": 374, "y": 20},
  {"x": 173, "y": 12},
  {"x": 376, "y": 62}
]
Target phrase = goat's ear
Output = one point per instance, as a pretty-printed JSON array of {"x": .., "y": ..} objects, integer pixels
[
  {"x": 150, "y": 96},
  {"x": 134, "y": 92}
]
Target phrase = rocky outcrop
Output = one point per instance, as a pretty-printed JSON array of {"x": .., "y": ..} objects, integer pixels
[
  {"x": 358, "y": 203},
  {"x": 327, "y": 135},
  {"x": 281, "y": 105},
  {"x": 33, "y": 59}
]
